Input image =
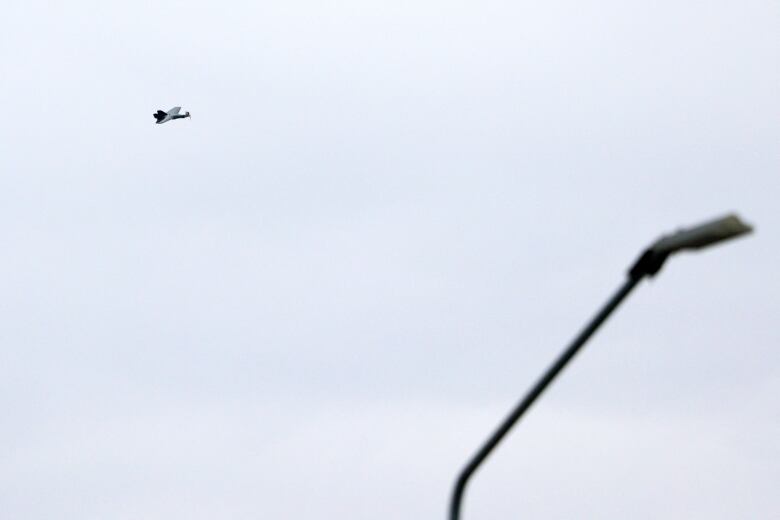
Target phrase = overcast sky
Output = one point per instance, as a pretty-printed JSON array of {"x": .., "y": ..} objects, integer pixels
[{"x": 317, "y": 297}]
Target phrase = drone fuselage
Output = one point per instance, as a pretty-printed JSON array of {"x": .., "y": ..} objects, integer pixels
[{"x": 164, "y": 117}]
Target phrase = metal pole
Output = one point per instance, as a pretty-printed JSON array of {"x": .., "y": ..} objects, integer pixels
[
  {"x": 539, "y": 387},
  {"x": 648, "y": 264}
]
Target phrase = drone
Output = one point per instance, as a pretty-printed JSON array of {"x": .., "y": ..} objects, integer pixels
[{"x": 164, "y": 117}]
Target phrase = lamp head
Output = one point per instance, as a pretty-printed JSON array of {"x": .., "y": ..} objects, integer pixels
[
  {"x": 702, "y": 235},
  {"x": 697, "y": 237}
]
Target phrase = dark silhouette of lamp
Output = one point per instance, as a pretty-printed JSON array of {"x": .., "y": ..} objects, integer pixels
[{"x": 648, "y": 264}]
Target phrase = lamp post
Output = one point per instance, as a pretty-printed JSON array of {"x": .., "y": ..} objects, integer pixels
[{"x": 648, "y": 264}]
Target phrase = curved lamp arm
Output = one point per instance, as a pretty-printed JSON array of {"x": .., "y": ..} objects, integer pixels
[{"x": 648, "y": 264}]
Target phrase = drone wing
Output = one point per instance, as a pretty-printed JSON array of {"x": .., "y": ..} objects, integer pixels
[{"x": 174, "y": 111}]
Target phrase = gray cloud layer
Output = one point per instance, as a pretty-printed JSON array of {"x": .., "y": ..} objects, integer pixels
[{"x": 316, "y": 297}]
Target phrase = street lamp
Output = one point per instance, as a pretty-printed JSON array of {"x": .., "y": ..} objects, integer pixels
[{"x": 648, "y": 264}]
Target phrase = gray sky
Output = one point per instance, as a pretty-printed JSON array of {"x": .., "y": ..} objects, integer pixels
[{"x": 315, "y": 298}]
